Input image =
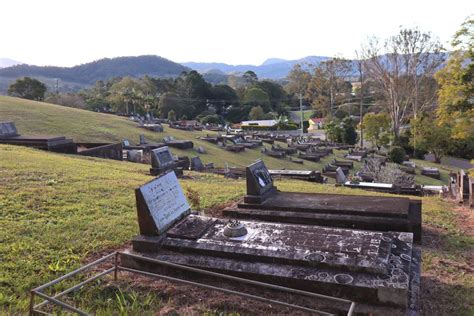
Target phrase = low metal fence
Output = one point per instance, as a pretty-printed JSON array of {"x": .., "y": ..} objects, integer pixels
[{"x": 55, "y": 299}]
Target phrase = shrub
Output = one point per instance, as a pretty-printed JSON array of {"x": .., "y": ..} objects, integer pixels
[{"x": 397, "y": 154}]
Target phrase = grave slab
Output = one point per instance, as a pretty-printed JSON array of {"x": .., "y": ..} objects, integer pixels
[
  {"x": 354, "y": 211},
  {"x": 370, "y": 267}
]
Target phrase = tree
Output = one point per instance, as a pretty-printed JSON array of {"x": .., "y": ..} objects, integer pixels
[
  {"x": 124, "y": 95},
  {"x": 377, "y": 128},
  {"x": 434, "y": 139},
  {"x": 349, "y": 134},
  {"x": 257, "y": 113},
  {"x": 250, "y": 77},
  {"x": 170, "y": 102},
  {"x": 275, "y": 92},
  {"x": 257, "y": 97},
  {"x": 222, "y": 96},
  {"x": 456, "y": 91},
  {"x": 298, "y": 80},
  {"x": 341, "y": 131},
  {"x": 328, "y": 86},
  {"x": 27, "y": 88},
  {"x": 171, "y": 116},
  {"x": 334, "y": 131},
  {"x": 193, "y": 91},
  {"x": 402, "y": 67}
]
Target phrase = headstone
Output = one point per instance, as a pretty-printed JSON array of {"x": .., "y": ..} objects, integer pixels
[
  {"x": 8, "y": 129},
  {"x": 142, "y": 139},
  {"x": 161, "y": 158},
  {"x": 196, "y": 164},
  {"x": 410, "y": 164},
  {"x": 135, "y": 155},
  {"x": 201, "y": 150},
  {"x": 340, "y": 176},
  {"x": 431, "y": 172},
  {"x": 259, "y": 182},
  {"x": 126, "y": 143},
  {"x": 160, "y": 204}
]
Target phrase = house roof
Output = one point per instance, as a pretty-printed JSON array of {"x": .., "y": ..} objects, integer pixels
[
  {"x": 317, "y": 120},
  {"x": 259, "y": 123}
]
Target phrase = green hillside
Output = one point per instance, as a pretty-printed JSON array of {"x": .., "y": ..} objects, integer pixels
[
  {"x": 60, "y": 211},
  {"x": 85, "y": 126}
]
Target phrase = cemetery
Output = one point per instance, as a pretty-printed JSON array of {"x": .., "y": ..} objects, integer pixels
[
  {"x": 346, "y": 261},
  {"x": 361, "y": 249}
]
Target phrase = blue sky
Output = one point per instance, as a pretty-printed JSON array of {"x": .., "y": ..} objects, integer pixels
[{"x": 66, "y": 33}]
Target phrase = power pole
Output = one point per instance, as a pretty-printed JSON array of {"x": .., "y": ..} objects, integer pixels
[
  {"x": 301, "y": 112},
  {"x": 361, "y": 105}
]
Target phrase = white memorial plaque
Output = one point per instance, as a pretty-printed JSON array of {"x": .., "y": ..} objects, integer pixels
[{"x": 165, "y": 200}]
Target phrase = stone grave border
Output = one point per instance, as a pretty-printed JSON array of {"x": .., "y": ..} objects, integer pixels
[{"x": 117, "y": 267}]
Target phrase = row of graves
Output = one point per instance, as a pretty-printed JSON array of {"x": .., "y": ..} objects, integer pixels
[
  {"x": 233, "y": 143},
  {"x": 351, "y": 249},
  {"x": 60, "y": 144},
  {"x": 186, "y": 125},
  {"x": 142, "y": 151}
]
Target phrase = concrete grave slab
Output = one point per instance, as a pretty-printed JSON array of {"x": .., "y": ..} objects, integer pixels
[
  {"x": 365, "y": 266},
  {"x": 337, "y": 210}
]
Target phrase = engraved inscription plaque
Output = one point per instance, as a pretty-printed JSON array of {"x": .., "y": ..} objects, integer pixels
[
  {"x": 162, "y": 201},
  {"x": 161, "y": 158}
]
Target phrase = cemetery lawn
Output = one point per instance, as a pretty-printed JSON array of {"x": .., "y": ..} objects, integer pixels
[
  {"x": 58, "y": 212},
  {"x": 39, "y": 118}
]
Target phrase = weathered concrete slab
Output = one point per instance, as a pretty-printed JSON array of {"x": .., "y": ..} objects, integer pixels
[
  {"x": 367, "y": 266},
  {"x": 354, "y": 211},
  {"x": 372, "y": 267}
]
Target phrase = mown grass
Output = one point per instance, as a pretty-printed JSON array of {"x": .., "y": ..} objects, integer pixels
[
  {"x": 57, "y": 210},
  {"x": 85, "y": 126}
]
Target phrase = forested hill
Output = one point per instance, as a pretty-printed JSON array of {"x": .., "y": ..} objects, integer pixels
[{"x": 102, "y": 69}]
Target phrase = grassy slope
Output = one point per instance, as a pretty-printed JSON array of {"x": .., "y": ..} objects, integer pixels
[
  {"x": 56, "y": 210},
  {"x": 86, "y": 126}
]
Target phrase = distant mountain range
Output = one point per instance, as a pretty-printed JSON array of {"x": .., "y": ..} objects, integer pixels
[
  {"x": 81, "y": 76},
  {"x": 273, "y": 68},
  {"x": 7, "y": 62}
]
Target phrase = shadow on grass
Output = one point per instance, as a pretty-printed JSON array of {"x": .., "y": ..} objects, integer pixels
[{"x": 441, "y": 298}]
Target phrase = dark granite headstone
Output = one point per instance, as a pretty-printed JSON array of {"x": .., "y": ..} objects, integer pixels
[
  {"x": 142, "y": 139},
  {"x": 196, "y": 164},
  {"x": 160, "y": 204},
  {"x": 161, "y": 158},
  {"x": 259, "y": 182},
  {"x": 8, "y": 129}
]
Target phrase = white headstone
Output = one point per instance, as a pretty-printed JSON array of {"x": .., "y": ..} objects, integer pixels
[{"x": 165, "y": 201}]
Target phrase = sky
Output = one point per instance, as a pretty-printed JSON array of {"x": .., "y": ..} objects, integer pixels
[{"x": 71, "y": 32}]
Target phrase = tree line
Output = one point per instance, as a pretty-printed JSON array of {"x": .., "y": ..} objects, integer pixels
[{"x": 404, "y": 90}]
